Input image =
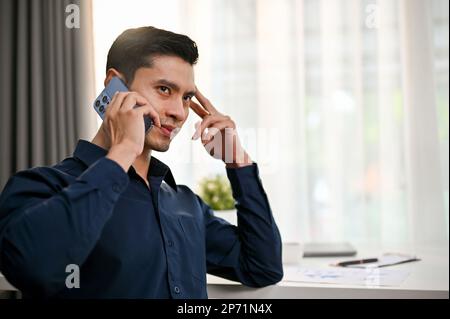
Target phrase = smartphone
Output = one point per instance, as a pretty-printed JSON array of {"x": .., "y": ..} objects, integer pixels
[{"x": 102, "y": 101}]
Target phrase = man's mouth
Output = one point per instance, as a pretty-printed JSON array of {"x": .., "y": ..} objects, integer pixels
[{"x": 169, "y": 130}]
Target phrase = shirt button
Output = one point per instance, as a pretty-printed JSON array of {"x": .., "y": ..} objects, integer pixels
[
  {"x": 116, "y": 188},
  {"x": 176, "y": 289},
  {"x": 170, "y": 243}
]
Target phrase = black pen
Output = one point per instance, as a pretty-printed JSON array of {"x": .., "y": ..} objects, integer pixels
[{"x": 357, "y": 262}]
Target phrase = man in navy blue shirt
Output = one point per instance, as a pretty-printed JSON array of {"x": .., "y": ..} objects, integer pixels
[{"x": 114, "y": 213}]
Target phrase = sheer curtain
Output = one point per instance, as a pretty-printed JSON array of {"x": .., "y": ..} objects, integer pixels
[{"x": 343, "y": 103}]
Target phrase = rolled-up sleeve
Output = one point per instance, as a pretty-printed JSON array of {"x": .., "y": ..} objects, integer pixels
[
  {"x": 251, "y": 252},
  {"x": 44, "y": 227}
]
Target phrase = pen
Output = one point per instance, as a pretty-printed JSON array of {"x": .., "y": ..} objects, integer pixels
[{"x": 357, "y": 262}]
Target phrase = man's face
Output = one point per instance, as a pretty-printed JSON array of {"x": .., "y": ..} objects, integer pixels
[{"x": 169, "y": 86}]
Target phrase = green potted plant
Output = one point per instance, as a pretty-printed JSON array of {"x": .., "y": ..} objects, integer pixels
[{"x": 216, "y": 192}]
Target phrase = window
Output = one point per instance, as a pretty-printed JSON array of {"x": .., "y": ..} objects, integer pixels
[{"x": 317, "y": 88}]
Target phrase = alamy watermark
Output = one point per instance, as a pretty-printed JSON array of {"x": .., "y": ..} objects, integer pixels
[
  {"x": 73, "y": 16},
  {"x": 73, "y": 279},
  {"x": 372, "y": 18}
]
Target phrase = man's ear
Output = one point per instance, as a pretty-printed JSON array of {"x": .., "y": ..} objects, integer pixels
[{"x": 110, "y": 74}]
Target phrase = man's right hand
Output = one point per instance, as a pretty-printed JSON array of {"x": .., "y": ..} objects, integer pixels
[{"x": 124, "y": 128}]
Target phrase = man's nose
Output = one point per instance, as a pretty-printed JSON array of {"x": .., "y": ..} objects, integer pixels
[{"x": 176, "y": 111}]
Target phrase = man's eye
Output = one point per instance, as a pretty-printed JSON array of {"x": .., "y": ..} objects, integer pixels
[
  {"x": 164, "y": 89},
  {"x": 187, "y": 98}
]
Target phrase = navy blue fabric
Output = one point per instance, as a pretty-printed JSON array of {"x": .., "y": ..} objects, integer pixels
[{"x": 129, "y": 240}]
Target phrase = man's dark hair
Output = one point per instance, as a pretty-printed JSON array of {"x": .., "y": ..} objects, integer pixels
[{"x": 136, "y": 48}]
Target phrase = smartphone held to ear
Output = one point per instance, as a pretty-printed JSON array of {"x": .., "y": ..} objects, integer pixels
[{"x": 105, "y": 97}]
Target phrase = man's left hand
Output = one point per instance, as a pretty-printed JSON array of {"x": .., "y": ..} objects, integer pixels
[{"x": 221, "y": 140}]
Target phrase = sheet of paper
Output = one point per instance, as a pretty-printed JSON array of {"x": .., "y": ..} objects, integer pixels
[
  {"x": 346, "y": 276},
  {"x": 387, "y": 260}
]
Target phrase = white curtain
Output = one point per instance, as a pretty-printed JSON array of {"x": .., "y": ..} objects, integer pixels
[{"x": 343, "y": 103}]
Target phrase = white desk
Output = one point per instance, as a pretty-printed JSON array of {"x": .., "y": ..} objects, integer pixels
[
  {"x": 429, "y": 278},
  {"x": 5, "y": 285}
]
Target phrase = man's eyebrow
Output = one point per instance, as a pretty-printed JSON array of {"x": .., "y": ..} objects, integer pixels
[{"x": 173, "y": 86}]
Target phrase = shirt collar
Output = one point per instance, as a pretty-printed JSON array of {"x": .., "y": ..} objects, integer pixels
[{"x": 89, "y": 153}]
